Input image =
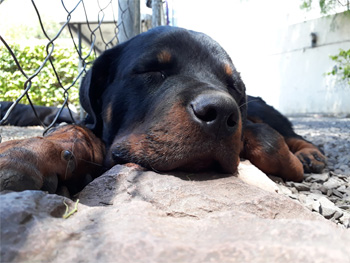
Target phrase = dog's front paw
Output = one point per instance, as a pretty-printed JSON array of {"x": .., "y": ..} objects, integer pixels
[
  {"x": 67, "y": 156},
  {"x": 30, "y": 164},
  {"x": 313, "y": 160}
]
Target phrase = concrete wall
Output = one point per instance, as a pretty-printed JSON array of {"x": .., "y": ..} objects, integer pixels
[
  {"x": 272, "y": 49},
  {"x": 291, "y": 75}
]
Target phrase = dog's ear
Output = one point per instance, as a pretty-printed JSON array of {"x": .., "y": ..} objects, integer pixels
[{"x": 93, "y": 85}]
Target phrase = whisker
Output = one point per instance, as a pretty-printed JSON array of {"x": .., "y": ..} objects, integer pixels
[
  {"x": 152, "y": 168},
  {"x": 97, "y": 164},
  {"x": 73, "y": 157},
  {"x": 247, "y": 103}
]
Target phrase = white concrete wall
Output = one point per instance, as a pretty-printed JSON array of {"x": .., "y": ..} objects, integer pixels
[
  {"x": 300, "y": 85},
  {"x": 273, "y": 51}
]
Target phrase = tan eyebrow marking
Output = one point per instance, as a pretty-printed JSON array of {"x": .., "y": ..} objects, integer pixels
[
  {"x": 228, "y": 69},
  {"x": 164, "y": 56},
  {"x": 109, "y": 113}
]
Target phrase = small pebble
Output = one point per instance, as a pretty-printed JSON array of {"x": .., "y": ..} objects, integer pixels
[{"x": 337, "y": 193}]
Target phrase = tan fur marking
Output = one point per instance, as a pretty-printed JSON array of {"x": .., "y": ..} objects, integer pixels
[
  {"x": 164, "y": 56},
  {"x": 109, "y": 113},
  {"x": 228, "y": 69},
  {"x": 296, "y": 145},
  {"x": 282, "y": 163}
]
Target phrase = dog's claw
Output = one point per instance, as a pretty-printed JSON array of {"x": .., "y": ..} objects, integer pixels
[{"x": 68, "y": 156}]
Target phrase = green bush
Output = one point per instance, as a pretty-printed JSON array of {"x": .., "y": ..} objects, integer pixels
[
  {"x": 45, "y": 89},
  {"x": 342, "y": 66}
]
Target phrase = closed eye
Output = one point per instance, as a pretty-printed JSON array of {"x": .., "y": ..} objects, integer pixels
[
  {"x": 160, "y": 63},
  {"x": 158, "y": 74},
  {"x": 162, "y": 74},
  {"x": 154, "y": 77},
  {"x": 152, "y": 70}
]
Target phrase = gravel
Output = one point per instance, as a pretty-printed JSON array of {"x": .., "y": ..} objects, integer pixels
[{"x": 327, "y": 193}]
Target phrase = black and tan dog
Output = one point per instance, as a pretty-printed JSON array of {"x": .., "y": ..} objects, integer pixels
[{"x": 168, "y": 99}]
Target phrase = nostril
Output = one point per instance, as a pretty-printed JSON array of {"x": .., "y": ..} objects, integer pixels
[
  {"x": 231, "y": 121},
  {"x": 206, "y": 114}
]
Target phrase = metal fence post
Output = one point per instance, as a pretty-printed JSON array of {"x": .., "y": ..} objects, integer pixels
[
  {"x": 156, "y": 13},
  {"x": 80, "y": 68},
  {"x": 129, "y": 24}
]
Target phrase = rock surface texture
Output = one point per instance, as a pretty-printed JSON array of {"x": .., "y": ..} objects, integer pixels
[{"x": 131, "y": 215}]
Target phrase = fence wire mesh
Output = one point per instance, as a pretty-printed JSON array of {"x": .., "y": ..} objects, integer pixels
[{"x": 87, "y": 37}]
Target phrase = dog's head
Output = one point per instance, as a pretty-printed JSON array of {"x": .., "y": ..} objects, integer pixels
[{"x": 167, "y": 99}]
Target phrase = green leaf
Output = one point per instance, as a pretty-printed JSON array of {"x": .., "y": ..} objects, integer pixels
[{"x": 342, "y": 68}]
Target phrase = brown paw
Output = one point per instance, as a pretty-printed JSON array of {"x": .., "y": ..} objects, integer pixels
[
  {"x": 66, "y": 156},
  {"x": 29, "y": 164},
  {"x": 313, "y": 160}
]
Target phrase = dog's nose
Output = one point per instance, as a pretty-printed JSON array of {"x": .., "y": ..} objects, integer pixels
[
  {"x": 217, "y": 114},
  {"x": 118, "y": 157}
]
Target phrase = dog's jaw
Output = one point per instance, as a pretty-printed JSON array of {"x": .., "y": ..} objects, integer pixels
[{"x": 176, "y": 143}]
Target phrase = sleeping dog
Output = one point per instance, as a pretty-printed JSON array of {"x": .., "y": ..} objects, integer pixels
[{"x": 167, "y": 99}]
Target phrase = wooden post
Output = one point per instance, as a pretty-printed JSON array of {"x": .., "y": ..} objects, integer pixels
[{"x": 129, "y": 24}]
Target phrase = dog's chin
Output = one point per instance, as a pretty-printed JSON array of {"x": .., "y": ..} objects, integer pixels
[
  {"x": 207, "y": 165},
  {"x": 193, "y": 165},
  {"x": 169, "y": 155}
]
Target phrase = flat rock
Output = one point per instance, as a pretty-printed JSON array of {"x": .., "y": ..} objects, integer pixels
[
  {"x": 299, "y": 186},
  {"x": 130, "y": 215},
  {"x": 318, "y": 178},
  {"x": 328, "y": 208},
  {"x": 333, "y": 183}
]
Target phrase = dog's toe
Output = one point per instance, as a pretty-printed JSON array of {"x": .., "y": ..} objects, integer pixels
[{"x": 313, "y": 161}]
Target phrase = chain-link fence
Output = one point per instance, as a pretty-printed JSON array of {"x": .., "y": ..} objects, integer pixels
[{"x": 87, "y": 30}]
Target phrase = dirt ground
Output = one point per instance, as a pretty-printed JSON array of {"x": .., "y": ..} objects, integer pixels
[{"x": 11, "y": 132}]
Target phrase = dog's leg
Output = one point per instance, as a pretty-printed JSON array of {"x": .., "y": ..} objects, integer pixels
[
  {"x": 65, "y": 156},
  {"x": 267, "y": 149},
  {"x": 310, "y": 156}
]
